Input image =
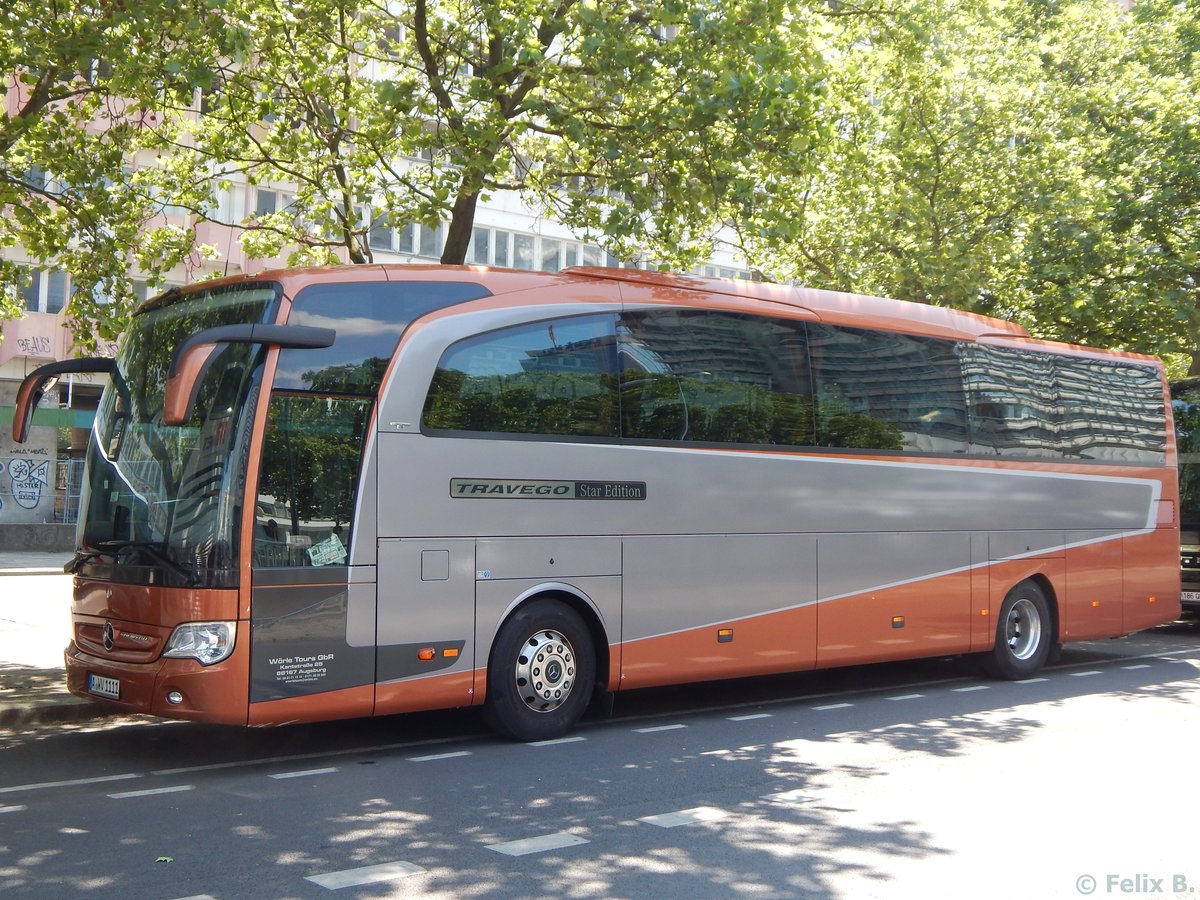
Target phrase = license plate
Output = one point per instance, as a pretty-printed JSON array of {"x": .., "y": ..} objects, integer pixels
[
  {"x": 104, "y": 687},
  {"x": 1190, "y": 597}
]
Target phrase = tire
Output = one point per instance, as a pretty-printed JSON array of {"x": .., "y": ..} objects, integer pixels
[
  {"x": 541, "y": 672},
  {"x": 1024, "y": 636}
]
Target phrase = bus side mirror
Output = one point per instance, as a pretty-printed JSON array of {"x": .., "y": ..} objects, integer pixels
[
  {"x": 197, "y": 352},
  {"x": 43, "y": 378}
]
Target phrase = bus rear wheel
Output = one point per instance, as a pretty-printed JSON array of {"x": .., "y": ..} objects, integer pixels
[
  {"x": 541, "y": 672},
  {"x": 1023, "y": 634}
]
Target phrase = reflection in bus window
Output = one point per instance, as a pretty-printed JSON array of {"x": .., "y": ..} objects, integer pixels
[
  {"x": 552, "y": 378},
  {"x": 887, "y": 391},
  {"x": 308, "y": 481}
]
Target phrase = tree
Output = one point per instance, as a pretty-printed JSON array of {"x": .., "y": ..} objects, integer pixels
[
  {"x": 1022, "y": 158},
  {"x": 81, "y": 83},
  {"x": 1121, "y": 263},
  {"x": 921, "y": 189},
  {"x": 632, "y": 126}
]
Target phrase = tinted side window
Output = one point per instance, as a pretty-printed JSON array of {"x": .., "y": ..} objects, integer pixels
[
  {"x": 369, "y": 318},
  {"x": 553, "y": 378},
  {"x": 1111, "y": 411},
  {"x": 1026, "y": 404},
  {"x": 309, "y": 480},
  {"x": 1014, "y": 407},
  {"x": 714, "y": 377},
  {"x": 884, "y": 391}
]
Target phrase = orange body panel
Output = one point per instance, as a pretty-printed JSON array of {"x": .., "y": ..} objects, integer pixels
[
  {"x": 776, "y": 642},
  {"x": 860, "y": 628},
  {"x": 349, "y": 703},
  {"x": 218, "y": 693},
  {"x": 420, "y": 694}
]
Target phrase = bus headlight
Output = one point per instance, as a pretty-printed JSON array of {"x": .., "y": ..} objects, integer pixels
[{"x": 208, "y": 642}]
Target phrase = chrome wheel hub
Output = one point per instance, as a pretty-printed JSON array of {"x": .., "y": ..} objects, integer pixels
[
  {"x": 545, "y": 671},
  {"x": 1023, "y": 629}
]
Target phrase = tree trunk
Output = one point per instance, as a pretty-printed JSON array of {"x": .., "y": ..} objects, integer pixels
[{"x": 458, "y": 235}]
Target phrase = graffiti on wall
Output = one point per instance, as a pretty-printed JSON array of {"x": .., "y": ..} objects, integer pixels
[{"x": 28, "y": 478}]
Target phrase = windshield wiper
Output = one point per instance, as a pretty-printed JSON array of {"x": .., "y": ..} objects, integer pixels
[
  {"x": 156, "y": 552},
  {"x": 82, "y": 556}
]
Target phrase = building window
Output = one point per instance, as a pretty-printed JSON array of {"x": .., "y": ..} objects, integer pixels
[
  {"x": 265, "y": 202},
  {"x": 431, "y": 242},
  {"x": 551, "y": 255},
  {"x": 480, "y": 246},
  {"x": 56, "y": 290},
  {"x": 381, "y": 235},
  {"x": 32, "y": 290},
  {"x": 523, "y": 251},
  {"x": 503, "y": 238}
]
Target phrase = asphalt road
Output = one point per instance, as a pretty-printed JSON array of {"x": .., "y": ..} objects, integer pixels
[{"x": 917, "y": 780}]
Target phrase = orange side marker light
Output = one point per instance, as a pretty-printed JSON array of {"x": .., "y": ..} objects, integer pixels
[{"x": 425, "y": 654}]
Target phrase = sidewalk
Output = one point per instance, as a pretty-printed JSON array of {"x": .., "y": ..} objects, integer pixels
[{"x": 35, "y": 623}]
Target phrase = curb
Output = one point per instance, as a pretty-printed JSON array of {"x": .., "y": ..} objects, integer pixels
[{"x": 62, "y": 711}]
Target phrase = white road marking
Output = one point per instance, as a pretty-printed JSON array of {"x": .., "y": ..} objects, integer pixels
[
  {"x": 832, "y": 706},
  {"x": 789, "y": 798},
  {"x": 1138, "y": 666},
  {"x": 563, "y": 740},
  {"x": 391, "y": 871},
  {"x": 437, "y": 756},
  {"x": 658, "y": 728},
  {"x": 974, "y": 687},
  {"x": 749, "y": 717},
  {"x": 538, "y": 844},
  {"x": 1085, "y": 674},
  {"x": 8, "y": 809},
  {"x": 1031, "y": 680},
  {"x": 686, "y": 817},
  {"x": 326, "y": 771},
  {"x": 125, "y": 795},
  {"x": 907, "y": 697},
  {"x": 74, "y": 781}
]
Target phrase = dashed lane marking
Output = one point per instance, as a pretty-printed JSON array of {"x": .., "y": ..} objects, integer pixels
[
  {"x": 175, "y": 789},
  {"x": 70, "y": 783},
  {"x": 973, "y": 687},
  {"x": 659, "y": 728},
  {"x": 573, "y": 739},
  {"x": 390, "y": 871},
  {"x": 749, "y": 717},
  {"x": 328, "y": 770},
  {"x": 789, "y": 798},
  {"x": 831, "y": 706},
  {"x": 538, "y": 844},
  {"x": 436, "y": 756},
  {"x": 692, "y": 816}
]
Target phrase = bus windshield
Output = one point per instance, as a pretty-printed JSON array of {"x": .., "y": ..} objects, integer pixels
[{"x": 163, "y": 503}]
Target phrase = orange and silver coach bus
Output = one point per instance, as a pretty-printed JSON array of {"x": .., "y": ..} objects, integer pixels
[{"x": 318, "y": 494}]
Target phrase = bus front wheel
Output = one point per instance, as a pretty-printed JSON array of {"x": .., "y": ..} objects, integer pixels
[
  {"x": 1023, "y": 634},
  {"x": 541, "y": 672}
]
